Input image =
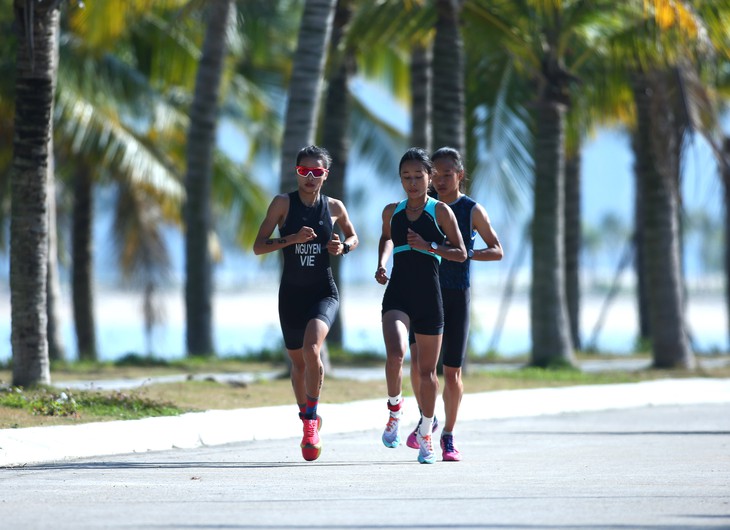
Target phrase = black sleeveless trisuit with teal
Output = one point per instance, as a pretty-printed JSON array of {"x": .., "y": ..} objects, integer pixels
[
  {"x": 307, "y": 289},
  {"x": 414, "y": 279},
  {"x": 455, "y": 282}
]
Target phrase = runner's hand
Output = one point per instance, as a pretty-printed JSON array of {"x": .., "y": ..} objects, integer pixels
[
  {"x": 380, "y": 276},
  {"x": 305, "y": 234},
  {"x": 334, "y": 245}
]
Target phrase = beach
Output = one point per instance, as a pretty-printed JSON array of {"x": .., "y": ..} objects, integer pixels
[{"x": 246, "y": 321}]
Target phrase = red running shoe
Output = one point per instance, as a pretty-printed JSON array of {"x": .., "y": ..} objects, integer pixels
[{"x": 311, "y": 444}]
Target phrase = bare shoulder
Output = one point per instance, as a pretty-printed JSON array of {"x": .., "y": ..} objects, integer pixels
[
  {"x": 336, "y": 206},
  {"x": 479, "y": 214},
  {"x": 279, "y": 200},
  {"x": 389, "y": 209},
  {"x": 279, "y": 207},
  {"x": 443, "y": 211}
]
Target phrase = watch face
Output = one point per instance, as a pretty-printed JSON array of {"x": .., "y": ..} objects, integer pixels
[
  {"x": 434, "y": 245},
  {"x": 470, "y": 253}
]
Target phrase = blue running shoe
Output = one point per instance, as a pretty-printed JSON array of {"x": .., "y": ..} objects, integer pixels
[
  {"x": 391, "y": 434},
  {"x": 425, "y": 449}
]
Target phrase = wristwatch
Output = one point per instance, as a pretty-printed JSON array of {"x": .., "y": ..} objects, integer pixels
[
  {"x": 470, "y": 253},
  {"x": 434, "y": 247},
  {"x": 345, "y": 248}
]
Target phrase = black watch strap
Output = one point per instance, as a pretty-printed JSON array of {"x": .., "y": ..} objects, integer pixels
[{"x": 345, "y": 248}]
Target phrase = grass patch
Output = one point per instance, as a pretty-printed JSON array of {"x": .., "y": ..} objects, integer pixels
[
  {"x": 44, "y": 402},
  {"x": 57, "y": 406}
]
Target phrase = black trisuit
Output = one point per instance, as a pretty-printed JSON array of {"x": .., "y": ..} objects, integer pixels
[
  {"x": 307, "y": 289},
  {"x": 414, "y": 279},
  {"x": 455, "y": 289}
]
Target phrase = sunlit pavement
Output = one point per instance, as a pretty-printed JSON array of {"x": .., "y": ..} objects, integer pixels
[
  {"x": 215, "y": 427},
  {"x": 649, "y": 466}
]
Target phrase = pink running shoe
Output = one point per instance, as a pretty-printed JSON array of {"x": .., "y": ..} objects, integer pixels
[
  {"x": 311, "y": 444},
  {"x": 412, "y": 441},
  {"x": 449, "y": 452}
]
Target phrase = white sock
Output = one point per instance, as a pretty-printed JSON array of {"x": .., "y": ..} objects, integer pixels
[{"x": 425, "y": 428}]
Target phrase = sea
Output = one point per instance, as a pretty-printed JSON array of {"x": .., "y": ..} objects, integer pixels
[{"x": 246, "y": 322}]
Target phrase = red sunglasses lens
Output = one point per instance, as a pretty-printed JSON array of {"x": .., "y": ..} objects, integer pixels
[{"x": 317, "y": 172}]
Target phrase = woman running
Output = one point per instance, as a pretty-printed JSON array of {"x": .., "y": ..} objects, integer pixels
[
  {"x": 414, "y": 231},
  {"x": 308, "y": 296}
]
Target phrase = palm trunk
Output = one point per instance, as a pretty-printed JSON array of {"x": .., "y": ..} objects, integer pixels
[
  {"x": 670, "y": 345},
  {"x": 82, "y": 276},
  {"x": 726, "y": 189},
  {"x": 573, "y": 245},
  {"x": 35, "y": 85},
  {"x": 56, "y": 350},
  {"x": 551, "y": 344},
  {"x": 642, "y": 291},
  {"x": 643, "y": 165},
  {"x": 421, "y": 80},
  {"x": 448, "y": 79},
  {"x": 201, "y": 146},
  {"x": 335, "y": 136},
  {"x": 306, "y": 85}
]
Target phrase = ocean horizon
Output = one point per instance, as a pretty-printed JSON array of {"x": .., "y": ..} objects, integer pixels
[{"x": 246, "y": 322}]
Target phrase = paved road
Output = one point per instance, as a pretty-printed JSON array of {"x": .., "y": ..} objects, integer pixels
[{"x": 650, "y": 467}]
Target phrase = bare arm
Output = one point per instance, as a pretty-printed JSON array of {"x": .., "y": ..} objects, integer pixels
[
  {"x": 276, "y": 215},
  {"x": 340, "y": 216},
  {"x": 385, "y": 245},
  {"x": 484, "y": 228}
]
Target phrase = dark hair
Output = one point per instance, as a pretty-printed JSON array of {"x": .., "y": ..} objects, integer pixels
[
  {"x": 419, "y": 155},
  {"x": 449, "y": 152},
  {"x": 314, "y": 151},
  {"x": 455, "y": 157}
]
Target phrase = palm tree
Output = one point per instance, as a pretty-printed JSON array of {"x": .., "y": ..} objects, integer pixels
[
  {"x": 101, "y": 135},
  {"x": 37, "y": 24},
  {"x": 572, "y": 223},
  {"x": 668, "y": 105},
  {"x": 448, "y": 93},
  {"x": 201, "y": 141},
  {"x": 303, "y": 101},
  {"x": 82, "y": 264},
  {"x": 725, "y": 168},
  {"x": 421, "y": 95},
  {"x": 537, "y": 35},
  {"x": 335, "y": 119},
  {"x": 659, "y": 191},
  {"x": 56, "y": 348}
]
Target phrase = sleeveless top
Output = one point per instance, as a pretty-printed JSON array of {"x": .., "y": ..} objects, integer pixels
[
  {"x": 307, "y": 263},
  {"x": 452, "y": 274},
  {"x": 406, "y": 259}
]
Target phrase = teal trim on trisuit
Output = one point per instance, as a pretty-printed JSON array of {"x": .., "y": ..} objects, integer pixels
[{"x": 430, "y": 208}]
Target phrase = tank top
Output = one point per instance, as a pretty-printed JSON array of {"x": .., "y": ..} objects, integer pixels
[
  {"x": 408, "y": 261},
  {"x": 452, "y": 274},
  {"x": 307, "y": 263}
]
